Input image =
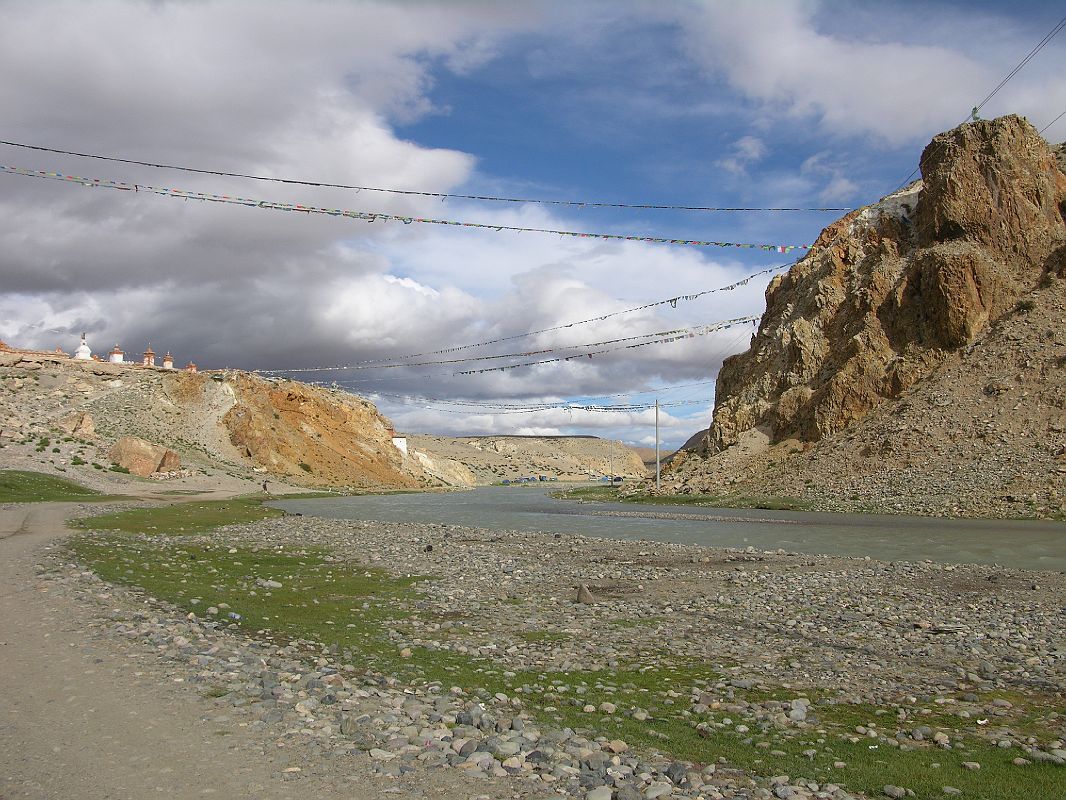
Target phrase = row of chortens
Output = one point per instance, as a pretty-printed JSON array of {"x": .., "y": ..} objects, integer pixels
[{"x": 117, "y": 356}]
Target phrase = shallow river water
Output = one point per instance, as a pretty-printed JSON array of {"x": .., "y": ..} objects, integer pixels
[{"x": 1011, "y": 543}]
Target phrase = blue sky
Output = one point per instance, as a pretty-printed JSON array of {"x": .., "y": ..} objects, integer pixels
[{"x": 784, "y": 102}]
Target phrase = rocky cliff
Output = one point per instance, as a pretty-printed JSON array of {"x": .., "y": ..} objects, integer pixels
[{"x": 906, "y": 299}]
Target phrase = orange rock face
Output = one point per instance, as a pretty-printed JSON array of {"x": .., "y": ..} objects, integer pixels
[
  {"x": 143, "y": 458},
  {"x": 315, "y": 436}
]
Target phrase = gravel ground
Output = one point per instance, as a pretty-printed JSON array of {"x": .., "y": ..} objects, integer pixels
[{"x": 785, "y": 640}]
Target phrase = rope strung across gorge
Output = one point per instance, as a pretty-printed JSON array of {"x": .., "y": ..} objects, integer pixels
[
  {"x": 410, "y": 192},
  {"x": 672, "y": 301},
  {"x": 702, "y": 330},
  {"x": 374, "y": 216},
  {"x": 977, "y": 108},
  {"x": 678, "y": 332},
  {"x": 504, "y": 404},
  {"x": 589, "y": 408}
]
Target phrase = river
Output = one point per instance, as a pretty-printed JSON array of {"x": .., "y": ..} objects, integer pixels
[{"x": 1010, "y": 543}]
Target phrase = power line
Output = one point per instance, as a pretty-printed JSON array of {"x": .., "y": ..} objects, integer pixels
[
  {"x": 1060, "y": 116},
  {"x": 1032, "y": 53},
  {"x": 374, "y": 216},
  {"x": 410, "y": 192}
]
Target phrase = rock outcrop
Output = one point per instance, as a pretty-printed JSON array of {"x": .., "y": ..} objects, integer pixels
[
  {"x": 78, "y": 424},
  {"x": 889, "y": 288},
  {"x": 892, "y": 298},
  {"x": 314, "y": 436},
  {"x": 143, "y": 458}
]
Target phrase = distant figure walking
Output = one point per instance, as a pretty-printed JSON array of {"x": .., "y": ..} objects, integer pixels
[{"x": 265, "y": 490}]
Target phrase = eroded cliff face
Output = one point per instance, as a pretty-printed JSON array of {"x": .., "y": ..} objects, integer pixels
[
  {"x": 315, "y": 436},
  {"x": 889, "y": 290}
]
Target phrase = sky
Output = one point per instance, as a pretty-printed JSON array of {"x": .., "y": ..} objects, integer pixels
[{"x": 779, "y": 103}]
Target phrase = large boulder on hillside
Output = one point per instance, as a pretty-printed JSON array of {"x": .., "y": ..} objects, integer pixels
[
  {"x": 142, "y": 457},
  {"x": 78, "y": 424}
]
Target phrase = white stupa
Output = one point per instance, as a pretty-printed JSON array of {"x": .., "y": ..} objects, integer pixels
[{"x": 83, "y": 352}]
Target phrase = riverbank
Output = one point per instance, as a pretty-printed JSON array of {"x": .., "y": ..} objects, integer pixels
[
  {"x": 837, "y": 672},
  {"x": 1021, "y": 544},
  {"x": 620, "y": 494}
]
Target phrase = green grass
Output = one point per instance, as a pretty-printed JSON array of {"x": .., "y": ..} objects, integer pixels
[
  {"x": 332, "y": 601},
  {"x": 610, "y": 494},
  {"x": 18, "y": 486},
  {"x": 181, "y": 518}
]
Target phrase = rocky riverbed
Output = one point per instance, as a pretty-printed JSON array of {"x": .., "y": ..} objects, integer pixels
[{"x": 586, "y": 660}]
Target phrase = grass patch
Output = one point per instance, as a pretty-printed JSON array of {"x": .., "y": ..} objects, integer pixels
[
  {"x": 610, "y": 494},
  {"x": 19, "y": 486},
  {"x": 180, "y": 518},
  {"x": 320, "y": 599}
]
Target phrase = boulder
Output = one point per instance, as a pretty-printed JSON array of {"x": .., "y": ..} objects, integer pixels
[
  {"x": 78, "y": 424},
  {"x": 143, "y": 458}
]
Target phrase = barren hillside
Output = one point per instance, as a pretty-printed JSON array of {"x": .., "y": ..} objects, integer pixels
[
  {"x": 233, "y": 421},
  {"x": 915, "y": 360},
  {"x": 488, "y": 459},
  {"x": 258, "y": 428}
]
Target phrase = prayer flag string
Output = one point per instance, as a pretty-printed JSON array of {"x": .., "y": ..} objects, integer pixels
[
  {"x": 702, "y": 330},
  {"x": 374, "y": 216},
  {"x": 409, "y": 192},
  {"x": 521, "y": 354},
  {"x": 671, "y": 301},
  {"x": 425, "y": 403}
]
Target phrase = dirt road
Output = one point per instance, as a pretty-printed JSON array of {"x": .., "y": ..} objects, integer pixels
[{"x": 89, "y": 716}]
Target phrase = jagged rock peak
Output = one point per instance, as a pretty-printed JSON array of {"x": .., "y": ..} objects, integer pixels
[{"x": 889, "y": 289}]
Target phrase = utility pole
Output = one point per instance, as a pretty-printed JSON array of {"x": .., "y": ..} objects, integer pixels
[{"x": 656, "y": 444}]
